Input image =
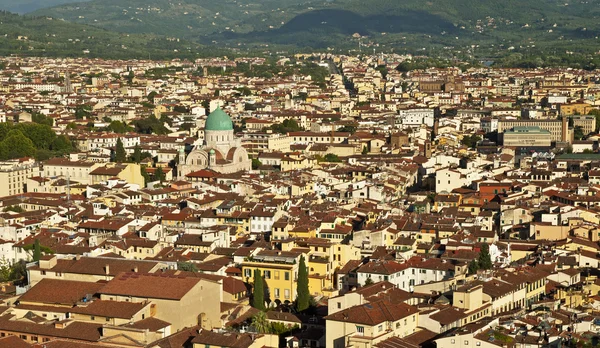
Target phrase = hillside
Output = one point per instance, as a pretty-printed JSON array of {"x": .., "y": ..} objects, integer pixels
[
  {"x": 36, "y": 36},
  {"x": 25, "y": 6},
  {"x": 473, "y": 27}
]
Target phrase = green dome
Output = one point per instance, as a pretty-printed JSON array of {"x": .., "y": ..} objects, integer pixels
[{"x": 218, "y": 120}]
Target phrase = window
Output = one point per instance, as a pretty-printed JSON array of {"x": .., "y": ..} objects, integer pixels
[
  {"x": 339, "y": 305},
  {"x": 276, "y": 275},
  {"x": 286, "y": 294},
  {"x": 360, "y": 330},
  {"x": 276, "y": 293},
  {"x": 380, "y": 328},
  {"x": 92, "y": 318},
  {"x": 267, "y": 274},
  {"x": 287, "y": 275},
  {"x": 248, "y": 273}
]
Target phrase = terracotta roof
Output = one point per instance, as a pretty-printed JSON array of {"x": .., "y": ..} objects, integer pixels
[
  {"x": 97, "y": 266},
  {"x": 150, "y": 323},
  {"x": 374, "y": 313},
  {"x": 60, "y": 292},
  {"x": 149, "y": 286}
]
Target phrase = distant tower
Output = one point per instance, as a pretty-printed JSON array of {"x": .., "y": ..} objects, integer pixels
[
  {"x": 204, "y": 71},
  {"x": 181, "y": 162},
  {"x": 68, "y": 85}
]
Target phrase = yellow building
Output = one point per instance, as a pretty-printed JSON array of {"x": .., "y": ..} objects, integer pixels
[
  {"x": 181, "y": 301},
  {"x": 575, "y": 109},
  {"x": 128, "y": 172},
  {"x": 279, "y": 270}
]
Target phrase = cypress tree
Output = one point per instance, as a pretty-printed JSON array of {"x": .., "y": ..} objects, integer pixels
[
  {"x": 303, "y": 300},
  {"x": 258, "y": 294},
  {"x": 159, "y": 174},
  {"x": 137, "y": 154},
  {"x": 120, "y": 154},
  {"x": 37, "y": 250},
  {"x": 485, "y": 260}
]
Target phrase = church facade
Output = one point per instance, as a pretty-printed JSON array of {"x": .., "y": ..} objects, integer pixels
[{"x": 221, "y": 151}]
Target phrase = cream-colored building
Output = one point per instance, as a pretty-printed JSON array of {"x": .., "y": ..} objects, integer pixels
[
  {"x": 367, "y": 324},
  {"x": 76, "y": 171},
  {"x": 256, "y": 143},
  {"x": 181, "y": 301},
  {"x": 586, "y": 122},
  {"x": 559, "y": 129},
  {"x": 14, "y": 175},
  {"x": 527, "y": 136}
]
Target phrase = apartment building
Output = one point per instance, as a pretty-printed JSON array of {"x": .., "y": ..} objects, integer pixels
[{"x": 14, "y": 175}]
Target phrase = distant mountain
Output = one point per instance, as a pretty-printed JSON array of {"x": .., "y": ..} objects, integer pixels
[
  {"x": 25, "y": 6},
  {"x": 38, "y": 36},
  {"x": 317, "y": 23}
]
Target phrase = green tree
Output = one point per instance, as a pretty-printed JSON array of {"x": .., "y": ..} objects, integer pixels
[
  {"x": 256, "y": 163},
  {"x": 260, "y": 323},
  {"x": 578, "y": 133},
  {"x": 473, "y": 267},
  {"x": 150, "y": 125},
  {"x": 41, "y": 135},
  {"x": 485, "y": 260},
  {"x": 62, "y": 145},
  {"x": 16, "y": 145},
  {"x": 365, "y": 150},
  {"x": 368, "y": 282},
  {"x": 137, "y": 154},
  {"x": 180, "y": 109},
  {"x": 118, "y": 127},
  {"x": 348, "y": 129},
  {"x": 37, "y": 252},
  {"x": 145, "y": 175},
  {"x": 83, "y": 111},
  {"x": 330, "y": 157},
  {"x": 5, "y": 270},
  {"x": 470, "y": 140},
  {"x": 14, "y": 208},
  {"x": 258, "y": 292},
  {"x": 42, "y": 119},
  {"x": 120, "y": 154},
  {"x": 151, "y": 96},
  {"x": 159, "y": 174},
  {"x": 187, "y": 267},
  {"x": 303, "y": 299}
]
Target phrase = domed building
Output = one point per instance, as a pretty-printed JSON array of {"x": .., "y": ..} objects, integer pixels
[{"x": 222, "y": 151}]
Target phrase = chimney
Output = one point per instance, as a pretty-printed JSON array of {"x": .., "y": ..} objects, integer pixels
[{"x": 106, "y": 269}]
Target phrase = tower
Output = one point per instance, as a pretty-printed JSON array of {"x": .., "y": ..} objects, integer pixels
[{"x": 68, "y": 85}]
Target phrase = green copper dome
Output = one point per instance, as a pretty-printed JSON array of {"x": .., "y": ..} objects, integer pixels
[{"x": 218, "y": 120}]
